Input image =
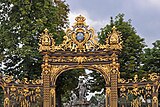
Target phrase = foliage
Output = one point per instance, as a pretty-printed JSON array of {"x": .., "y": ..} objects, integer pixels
[
  {"x": 133, "y": 44},
  {"x": 21, "y": 24},
  {"x": 96, "y": 82},
  {"x": 131, "y": 55},
  {"x": 66, "y": 83},
  {"x": 151, "y": 58}
]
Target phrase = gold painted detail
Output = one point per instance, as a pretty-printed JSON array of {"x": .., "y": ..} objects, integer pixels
[
  {"x": 80, "y": 38},
  {"x": 46, "y": 66},
  {"x": 151, "y": 77},
  {"x": 9, "y": 79},
  {"x": 108, "y": 91},
  {"x": 105, "y": 71},
  {"x": 79, "y": 59},
  {"x": 114, "y": 40},
  {"x": 55, "y": 69},
  {"x": 155, "y": 101},
  {"x": 52, "y": 91},
  {"x": 46, "y": 42},
  {"x": 115, "y": 65},
  {"x": 122, "y": 91},
  {"x": 136, "y": 103},
  {"x": 6, "y": 102}
]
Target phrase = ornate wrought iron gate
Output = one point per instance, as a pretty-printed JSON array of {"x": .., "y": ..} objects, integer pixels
[{"x": 80, "y": 49}]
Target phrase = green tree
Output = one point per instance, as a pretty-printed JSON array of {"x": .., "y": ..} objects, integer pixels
[
  {"x": 151, "y": 58},
  {"x": 133, "y": 44},
  {"x": 66, "y": 83},
  {"x": 21, "y": 24}
]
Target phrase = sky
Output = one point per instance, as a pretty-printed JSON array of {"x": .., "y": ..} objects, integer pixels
[{"x": 145, "y": 15}]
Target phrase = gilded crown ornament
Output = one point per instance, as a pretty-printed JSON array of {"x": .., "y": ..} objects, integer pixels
[{"x": 80, "y": 19}]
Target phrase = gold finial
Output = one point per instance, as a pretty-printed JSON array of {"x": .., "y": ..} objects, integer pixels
[
  {"x": 45, "y": 30},
  {"x": 114, "y": 28},
  {"x": 80, "y": 19}
]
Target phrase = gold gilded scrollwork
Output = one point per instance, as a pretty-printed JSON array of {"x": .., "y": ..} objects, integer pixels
[
  {"x": 135, "y": 78},
  {"x": 114, "y": 39},
  {"x": 153, "y": 76},
  {"x": 55, "y": 69},
  {"x": 122, "y": 90},
  {"x": 46, "y": 66},
  {"x": 115, "y": 65},
  {"x": 108, "y": 91},
  {"x": 52, "y": 91},
  {"x": 80, "y": 59},
  {"x": 6, "y": 102},
  {"x": 136, "y": 103},
  {"x": 79, "y": 39},
  {"x": 13, "y": 88},
  {"x": 155, "y": 101},
  {"x": 46, "y": 42},
  {"x": 8, "y": 78},
  {"x": 105, "y": 71}
]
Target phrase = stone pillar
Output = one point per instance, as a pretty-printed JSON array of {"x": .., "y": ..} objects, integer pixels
[
  {"x": 114, "y": 92},
  {"x": 46, "y": 81}
]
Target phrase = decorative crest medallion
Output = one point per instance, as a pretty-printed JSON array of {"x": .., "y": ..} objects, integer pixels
[{"x": 80, "y": 38}]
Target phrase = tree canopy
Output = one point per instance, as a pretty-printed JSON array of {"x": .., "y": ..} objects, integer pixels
[
  {"x": 21, "y": 23},
  {"x": 131, "y": 55},
  {"x": 151, "y": 58}
]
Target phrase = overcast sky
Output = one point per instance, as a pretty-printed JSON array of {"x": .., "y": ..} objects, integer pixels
[{"x": 145, "y": 14}]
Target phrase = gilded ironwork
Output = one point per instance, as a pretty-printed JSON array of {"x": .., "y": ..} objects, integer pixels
[
  {"x": 21, "y": 93},
  {"x": 80, "y": 38},
  {"x": 80, "y": 49},
  {"x": 143, "y": 91}
]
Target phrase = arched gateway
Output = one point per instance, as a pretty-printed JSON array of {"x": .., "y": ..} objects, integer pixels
[{"x": 80, "y": 49}]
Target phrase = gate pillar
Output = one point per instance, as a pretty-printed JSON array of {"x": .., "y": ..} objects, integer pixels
[
  {"x": 114, "y": 80},
  {"x": 114, "y": 92},
  {"x": 46, "y": 81}
]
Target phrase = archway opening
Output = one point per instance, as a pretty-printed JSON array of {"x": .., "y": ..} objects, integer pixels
[
  {"x": 1, "y": 97},
  {"x": 87, "y": 86}
]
